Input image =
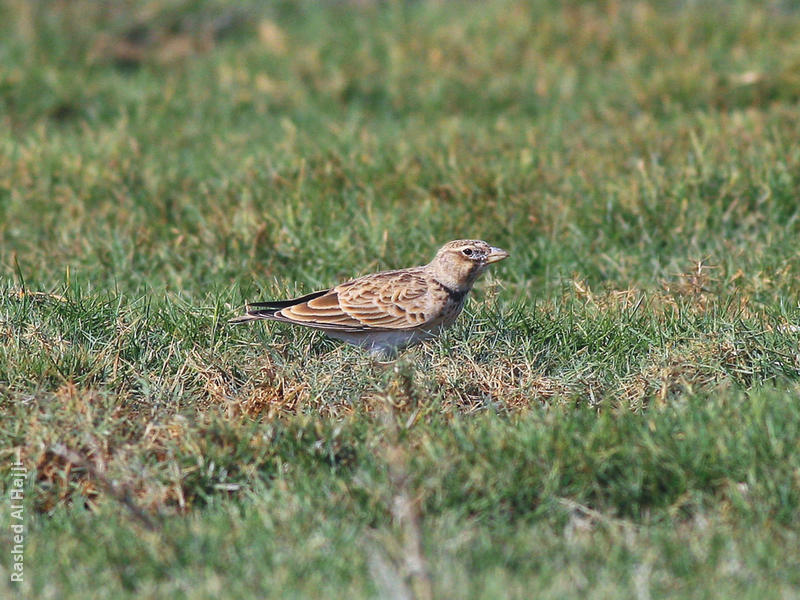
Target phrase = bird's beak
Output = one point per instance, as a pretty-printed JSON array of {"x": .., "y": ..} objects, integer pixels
[{"x": 496, "y": 255}]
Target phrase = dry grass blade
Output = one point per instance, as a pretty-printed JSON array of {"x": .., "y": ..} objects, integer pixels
[
  {"x": 404, "y": 502},
  {"x": 119, "y": 493}
]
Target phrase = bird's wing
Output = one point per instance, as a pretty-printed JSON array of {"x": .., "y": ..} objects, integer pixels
[{"x": 384, "y": 301}]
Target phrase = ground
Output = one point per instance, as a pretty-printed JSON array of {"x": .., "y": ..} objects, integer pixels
[{"x": 616, "y": 414}]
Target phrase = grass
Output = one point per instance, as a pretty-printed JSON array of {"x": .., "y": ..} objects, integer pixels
[{"x": 615, "y": 415}]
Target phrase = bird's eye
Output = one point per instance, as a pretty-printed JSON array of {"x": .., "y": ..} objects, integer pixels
[{"x": 467, "y": 251}]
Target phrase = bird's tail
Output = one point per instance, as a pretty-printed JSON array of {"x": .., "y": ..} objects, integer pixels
[
  {"x": 254, "y": 315},
  {"x": 255, "y": 311}
]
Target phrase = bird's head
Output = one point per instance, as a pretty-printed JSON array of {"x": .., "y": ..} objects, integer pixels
[{"x": 459, "y": 263}]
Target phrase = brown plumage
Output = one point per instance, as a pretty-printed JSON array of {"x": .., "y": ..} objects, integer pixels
[{"x": 386, "y": 311}]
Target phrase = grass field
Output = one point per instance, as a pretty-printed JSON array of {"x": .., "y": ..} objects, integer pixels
[{"x": 615, "y": 415}]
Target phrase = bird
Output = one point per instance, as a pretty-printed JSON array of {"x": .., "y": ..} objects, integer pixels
[{"x": 391, "y": 310}]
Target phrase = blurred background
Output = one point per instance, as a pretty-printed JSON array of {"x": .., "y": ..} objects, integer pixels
[{"x": 185, "y": 144}]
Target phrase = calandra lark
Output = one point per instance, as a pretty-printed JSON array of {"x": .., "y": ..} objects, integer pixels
[{"x": 387, "y": 311}]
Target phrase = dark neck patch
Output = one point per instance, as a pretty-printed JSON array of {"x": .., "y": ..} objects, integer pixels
[{"x": 454, "y": 295}]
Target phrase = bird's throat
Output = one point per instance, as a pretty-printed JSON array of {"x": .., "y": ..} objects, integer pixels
[{"x": 454, "y": 295}]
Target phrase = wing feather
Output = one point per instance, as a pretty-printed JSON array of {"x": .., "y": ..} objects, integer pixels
[
  {"x": 385, "y": 301},
  {"x": 391, "y": 300}
]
